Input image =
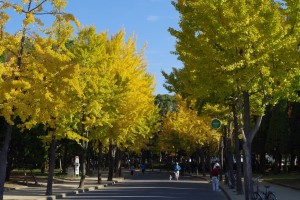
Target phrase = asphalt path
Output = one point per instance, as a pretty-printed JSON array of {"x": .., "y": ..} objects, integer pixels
[{"x": 154, "y": 186}]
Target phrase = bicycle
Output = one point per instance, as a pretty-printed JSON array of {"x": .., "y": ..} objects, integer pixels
[{"x": 261, "y": 195}]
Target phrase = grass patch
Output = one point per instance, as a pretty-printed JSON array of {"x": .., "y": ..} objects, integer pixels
[
  {"x": 286, "y": 179},
  {"x": 283, "y": 176}
]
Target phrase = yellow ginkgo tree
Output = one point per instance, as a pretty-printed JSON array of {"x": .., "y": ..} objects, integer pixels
[
  {"x": 134, "y": 103},
  {"x": 32, "y": 65},
  {"x": 184, "y": 129},
  {"x": 96, "y": 89}
]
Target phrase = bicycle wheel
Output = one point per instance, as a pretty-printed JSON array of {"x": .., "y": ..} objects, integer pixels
[
  {"x": 256, "y": 196},
  {"x": 271, "y": 196}
]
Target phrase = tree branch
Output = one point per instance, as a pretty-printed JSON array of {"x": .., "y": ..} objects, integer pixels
[{"x": 255, "y": 129}]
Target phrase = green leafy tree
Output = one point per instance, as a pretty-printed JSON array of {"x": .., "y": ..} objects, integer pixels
[{"x": 245, "y": 49}]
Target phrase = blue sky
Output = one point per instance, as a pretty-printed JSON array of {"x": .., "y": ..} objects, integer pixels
[{"x": 148, "y": 20}]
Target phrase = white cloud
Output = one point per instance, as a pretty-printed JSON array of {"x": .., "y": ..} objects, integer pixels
[{"x": 153, "y": 18}]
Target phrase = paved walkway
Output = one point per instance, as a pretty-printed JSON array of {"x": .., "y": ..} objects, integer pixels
[
  {"x": 281, "y": 192},
  {"x": 61, "y": 188},
  {"x": 69, "y": 186}
]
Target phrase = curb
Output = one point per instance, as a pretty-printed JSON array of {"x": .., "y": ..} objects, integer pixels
[
  {"x": 225, "y": 192},
  {"x": 79, "y": 190},
  {"x": 15, "y": 188},
  {"x": 62, "y": 195}
]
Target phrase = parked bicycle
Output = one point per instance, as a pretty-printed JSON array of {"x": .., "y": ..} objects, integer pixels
[{"x": 263, "y": 195}]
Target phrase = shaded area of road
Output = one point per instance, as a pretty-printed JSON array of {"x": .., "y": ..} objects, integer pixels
[{"x": 155, "y": 186}]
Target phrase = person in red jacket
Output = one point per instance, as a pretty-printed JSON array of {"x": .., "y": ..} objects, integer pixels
[{"x": 215, "y": 177}]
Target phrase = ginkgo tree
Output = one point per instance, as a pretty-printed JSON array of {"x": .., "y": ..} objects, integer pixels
[
  {"x": 247, "y": 50},
  {"x": 115, "y": 101},
  {"x": 30, "y": 67},
  {"x": 184, "y": 129},
  {"x": 96, "y": 87},
  {"x": 135, "y": 102}
]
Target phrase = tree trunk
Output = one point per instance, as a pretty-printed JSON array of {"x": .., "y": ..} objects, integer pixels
[
  {"x": 99, "y": 162},
  {"x": 262, "y": 162},
  {"x": 229, "y": 158},
  {"x": 198, "y": 161},
  {"x": 292, "y": 162},
  {"x": 221, "y": 155},
  {"x": 239, "y": 184},
  {"x": 3, "y": 157},
  {"x": 203, "y": 165},
  {"x": 112, "y": 156},
  {"x": 248, "y": 138},
  {"x": 118, "y": 163},
  {"x": 9, "y": 167},
  {"x": 298, "y": 163},
  {"x": 51, "y": 164},
  {"x": 247, "y": 171},
  {"x": 278, "y": 158},
  {"x": 65, "y": 156},
  {"x": 83, "y": 164}
]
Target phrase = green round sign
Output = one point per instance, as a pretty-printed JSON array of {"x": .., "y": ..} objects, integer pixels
[{"x": 215, "y": 123}]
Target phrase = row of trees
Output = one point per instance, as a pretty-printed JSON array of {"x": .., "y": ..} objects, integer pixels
[
  {"x": 94, "y": 90},
  {"x": 85, "y": 87},
  {"x": 243, "y": 55}
]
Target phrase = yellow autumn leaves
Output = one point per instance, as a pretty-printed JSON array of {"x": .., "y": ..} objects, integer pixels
[
  {"x": 185, "y": 129},
  {"x": 84, "y": 85}
]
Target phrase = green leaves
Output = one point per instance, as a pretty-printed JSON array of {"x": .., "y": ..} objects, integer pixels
[{"x": 230, "y": 45}]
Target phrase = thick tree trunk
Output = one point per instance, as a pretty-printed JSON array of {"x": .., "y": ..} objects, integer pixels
[
  {"x": 3, "y": 157},
  {"x": 229, "y": 157},
  {"x": 99, "y": 170},
  {"x": 83, "y": 164},
  {"x": 247, "y": 171},
  {"x": 112, "y": 156},
  {"x": 239, "y": 184},
  {"x": 248, "y": 138},
  {"x": 9, "y": 167},
  {"x": 118, "y": 163},
  {"x": 247, "y": 149},
  {"x": 51, "y": 164}
]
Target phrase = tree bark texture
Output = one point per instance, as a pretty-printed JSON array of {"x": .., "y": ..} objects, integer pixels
[
  {"x": 83, "y": 164},
  {"x": 99, "y": 171},
  {"x": 118, "y": 170},
  {"x": 51, "y": 164},
  {"x": 112, "y": 157},
  {"x": 249, "y": 135},
  {"x": 229, "y": 157},
  {"x": 239, "y": 184},
  {"x": 3, "y": 156}
]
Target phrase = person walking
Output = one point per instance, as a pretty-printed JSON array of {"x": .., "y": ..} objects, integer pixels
[
  {"x": 143, "y": 167},
  {"x": 177, "y": 169},
  {"x": 132, "y": 169},
  {"x": 215, "y": 177}
]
